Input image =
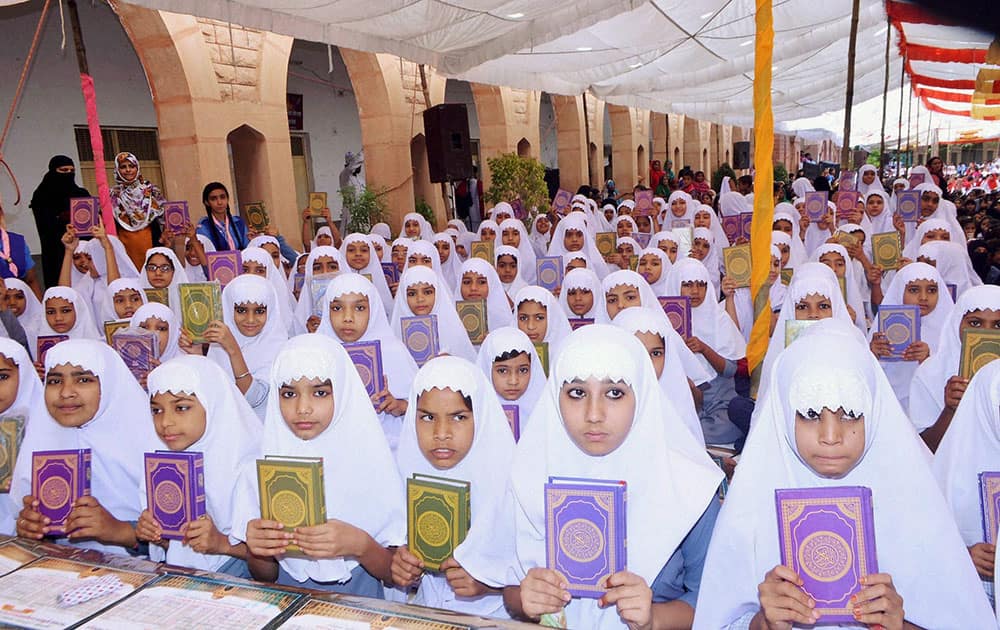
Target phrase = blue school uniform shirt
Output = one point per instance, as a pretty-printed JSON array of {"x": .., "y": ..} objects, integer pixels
[
  {"x": 680, "y": 577},
  {"x": 237, "y": 230}
]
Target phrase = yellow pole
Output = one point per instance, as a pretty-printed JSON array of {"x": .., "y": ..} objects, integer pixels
[{"x": 763, "y": 189}]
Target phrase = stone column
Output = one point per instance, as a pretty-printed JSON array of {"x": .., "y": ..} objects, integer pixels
[
  {"x": 572, "y": 140},
  {"x": 508, "y": 119}
]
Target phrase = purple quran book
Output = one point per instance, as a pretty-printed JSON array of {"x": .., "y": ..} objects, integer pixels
[
  {"x": 420, "y": 335},
  {"x": 847, "y": 200},
  {"x": 224, "y": 266},
  {"x": 175, "y": 489},
  {"x": 908, "y": 205},
  {"x": 731, "y": 226},
  {"x": 137, "y": 347},
  {"x": 847, "y": 181},
  {"x": 585, "y": 532},
  {"x": 901, "y": 327},
  {"x": 644, "y": 203},
  {"x": 815, "y": 202},
  {"x": 560, "y": 203},
  {"x": 827, "y": 536},
  {"x": 678, "y": 311},
  {"x": 746, "y": 221},
  {"x": 175, "y": 215},
  {"x": 642, "y": 238},
  {"x": 58, "y": 479},
  {"x": 580, "y": 322},
  {"x": 549, "y": 271},
  {"x": 367, "y": 357},
  {"x": 45, "y": 342},
  {"x": 916, "y": 179},
  {"x": 390, "y": 272},
  {"x": 84, "y": 213},
  {"x": 989, "y": 487},
  {"x": 513, "y": 413}
]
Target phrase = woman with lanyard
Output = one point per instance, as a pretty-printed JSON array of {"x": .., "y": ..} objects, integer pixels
[
  {"x": 224, "y": 230},
  {"x": 137, "y": 205},
  {"x": 15, "y": 257}
]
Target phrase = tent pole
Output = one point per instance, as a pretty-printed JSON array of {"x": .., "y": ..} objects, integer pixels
[
  {"x": 586, "y": 129},
  {"x": 909, "y": 128},
  {"x": 899, "y": 131},
  {"x": 885, "y": 99},
  {"x": 845, "y": 151}
]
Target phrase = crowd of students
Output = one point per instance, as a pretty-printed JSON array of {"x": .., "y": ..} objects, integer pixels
[{"x": 626, "y": 398}]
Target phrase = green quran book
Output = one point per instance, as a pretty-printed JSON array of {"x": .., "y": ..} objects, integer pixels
[
  {"x": 438, "y": 514},
  {"x": 542, "y": 349},
  {"x": 473, "y": 316},
  {"x": 979, "y": 347},
  {"x": 201, "y": 304},
  {"x": 786, "y": 276},
  {"x": 160, "y": 296},
  {"x": 11, "y": 434},
  {"x": 292, "y": 492},
  {"x": 606, "y": 243},
  {"x": 737, "y": 262},
  {"x": 317, "y": 202},
  {"x": 256, "y": 216},
  {"x": 484, "y": 250},
  {"x": 886, "y": 250}
]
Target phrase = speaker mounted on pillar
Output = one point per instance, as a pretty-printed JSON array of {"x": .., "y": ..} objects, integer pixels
[
  {"x": 449, "y": 152},
  {"x": 741, "y": 155}
]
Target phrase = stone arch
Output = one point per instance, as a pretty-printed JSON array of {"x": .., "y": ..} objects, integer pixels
[
  {"x": 641, "y": 166},
  {"x": 571, "y": 139},
  {"x": 246, "y": 146},
  {"x": 629, "y": 132},
  {"x": 506, "y": 116},
  {"x": 524, "y": 147}
]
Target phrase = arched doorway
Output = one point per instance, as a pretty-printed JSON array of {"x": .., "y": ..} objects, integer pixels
[
  {"x": 641, "y": 167},
  {"x": 247, "y": 166},
  {"x": 422, "y": 188},
  {"x": 524, "y": 148}
]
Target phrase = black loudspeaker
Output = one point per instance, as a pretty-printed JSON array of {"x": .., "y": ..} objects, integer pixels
[
  {"x": 741, "y": 155},
  {"x": 449, "y": 153}
]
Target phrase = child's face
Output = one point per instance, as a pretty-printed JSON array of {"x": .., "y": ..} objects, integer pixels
[
  {"x": 444, "y": 250},
  {"x": 72, "y": 395},
  {"x": 445, "y": 427},
  {"x": 623, "y": 229},
  {"x": 358, "y": 255},
  {"x": 695, "y": 290},
  {"x": 597, "y": 414},
  {"x": 702, "y": 220},
  {"x": 922, "y": 293},
  {"x": 399, "y": 256},
  {"x": 507, "y": 268},
  {"x": 622, "y": 297},
  {"x": 412, "y": 228},
  {"x": 929, "y": 203},
  {"x": 868, "y": 177},
  {"x": 10, "y": 379},
  {"x": 474, "y": 286},
  {"x": 511, "y": 377},
  {"x": 378, "y": 249},
  {"x": 307, "y": 406},
  {"x": 420, "y": 298},
  {"x": 679, "y": 206},
  {"x": 275, "y": 253},
  {"x": 254, "y": 268},
  {"x": 984, "y": 319},
  {"x": 898, "y": 187},
  {"x": 650, "y": 267},
  {"x": 60, "y": 314},
  {"x": 16, "y": 301},
  {"x": 190, "y": 255},
  {"x": 813, "y": 306},
  {"x": 349, "y": 315},
  {"x": 159, "y": 271},
  {"x": 218, "y": 201},
  {"x": 875, "y": 205},
  {"x": 542, "y": 225},
  {"x": 670, "y": 249},
  {"x": 935, "y": 235},
  {"x": 161, "y": 328},
  {"x": 831, "y": 443},
  {"x": 782, "y": 225},
  {"x": 625, "y": 249},
  {"x": 82, "y": 262},
  {"x": 250, "y": 318},
  {"x": 512, "y": 237},
  {"x": 576, "y": 263},
  {"x": 127, "y": 302},
  {"x": 834, "y": 261},
  {"x": 772, "y": 275},
  {"x": 580, "y": 301},
  {"x": 656, "y": 348},
  {"x": 699, "y": 249},
  {"x": 532, "y": 319},
  {"x": 419, "y": 260},
  {"x": 179, "y": 419},
  {"x": 786, "y": 252},
  {"x": 300, "y": 264},
  {"x": 573, "y": 240},
  {"x": 325, "y": 264},
  {"x": 323, "y": 239},
  {"x": 487, "y": 234},
  {"x": 644, "y": 223}
]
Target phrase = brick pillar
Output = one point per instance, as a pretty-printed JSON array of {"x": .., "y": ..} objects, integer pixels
[
  {"x": 507, "y": 118},
  {"x": 571, "y": 137},
  {"x": 629, "y": 138}
]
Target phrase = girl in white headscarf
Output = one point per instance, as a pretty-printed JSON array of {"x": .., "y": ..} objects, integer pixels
[
  {"x": 828, "y": 254},
  {"x": 458, "y": 224},
  {"x": 380, "y": 248},
  {"x": 667, "y": 242},
  {"x": 323, "y": 238},
  {"x": 541, "y": 234},
  {"x": 23, "y": 302},
  {"x": 929, "y": 231},
  {"x": 582, "y": 296},
  {"x": 450, "y": 262},
  {"x": 163, "y": 270},
  {"x": 455, "y": 428},
  {"x": 539, "y": 315},
  {"x": 880, "y": 212},
  {"x": 194, "y": 266},
  {"x": 733, "y": 204},
  {"x": 20, "y": 396},
  {"x": 921, "y": 285},
  {"x": 245, "y": 346},
  {"x": 507, "y": 261},
  {"x": 353, "y": 313},
  {"x": 159, "y": 319},
  {"x": 512, "y": 233},
  {"x": 654, "y": 265},
  {"x": 801, "y": 186},
  {"x": 798, "y": 249},
  {"x": 424, "y": 253},
  {"x": 325, "y": 259},
  {"x": 970, "y": 447},
  {"x": 936, "y": 388},
  {"x": 868, "y": 181},
  {"x": 422, "y": 293},
  {"x": 479, "y": 281},
  {"x": 836, "y": 422},
  {"x": 318, "y": 407},
  {"x": 196, "y": 408},
  {"x": 952, "y": 262},
  {"x": 67, "y": 313},
  {"x": 258, "y": 262},
  {"x": 508, "y": 358},
  {"x": 624, "y": 226},
  {"x": 705, "y": 217},
  {"x": 358, "y": 253},
  {"x": 91, "y": 401},
  {"x": 578, "y": 239},
  {"x": 383, "y": 230},
  {"x": 717, "y": 343},
  {"x": 680, "y": 207},
  {"x": 488, "y": 230},
  {"x": 705, "y": 250},
  {"x": 123, "y": 298},
  {"x": 671, "y": 484}
]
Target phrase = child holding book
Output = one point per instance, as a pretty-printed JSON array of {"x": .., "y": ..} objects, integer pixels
[
  {"x": 21, "y": 398},
  {"x": 937, "y": 387},
  {"x": 25, "y": 305},
  {"x": 479, "y": 281},
  {"x": 161, "y": 320},
  {"x": 581, "y": 295},
  {"x": 196, "y": 408},
  {"x": 508, "y": 358},
  {"x": 508, "y": 266},
  {"x": 454, "y": 428},
  {"x": 92, "y": 401},
  {"x": 539, "y": 315},
  {"x": 318, "y": 407},
  {"x": 421, "y": 293},
  {"x": 602, "y": 416},
  {"x": 353, "y": 313},
  {"x": 322, "y": 260},
  {"x": 827, "y": 422},
  {"x": 357, "y": 250},
  {"x": 256, "y": 261}
]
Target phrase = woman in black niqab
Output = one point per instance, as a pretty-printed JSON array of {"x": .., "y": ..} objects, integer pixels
[{"x": 50, "y": 205}]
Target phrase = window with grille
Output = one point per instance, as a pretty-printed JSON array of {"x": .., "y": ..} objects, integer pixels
[{"x": 140, "y": 141}]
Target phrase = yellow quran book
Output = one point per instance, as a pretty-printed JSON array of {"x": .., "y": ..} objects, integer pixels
[
  {"x": 737, "y": 262},
  {"x": 317, "y": 201},
  {"x": 438, "y": 514},
  {"x": 473, "y": 316},
  {"x": 292, "y": 492},
  {"x": 979, "y": 347}
]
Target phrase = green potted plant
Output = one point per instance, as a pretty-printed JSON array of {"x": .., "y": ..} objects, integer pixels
[
  {"x": 516, "y": 178},
  {"x": 366, "y": 208}
]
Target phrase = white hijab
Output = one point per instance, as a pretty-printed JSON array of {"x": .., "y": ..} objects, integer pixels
[
  {"x": 927, "y": 387},
  {"x": 668, "y": 217},
  {"x": 451, "y": 333},
  {"x": 373, "y": 268},
  {"x": 231, "y": 437},
  {"x": 511, "y": 339},
  {"x": 669, "y": 477},
  {"x": 180, "y": 276},
  {"x": 84, "y": 327},
  {"x": 352, "y": 447},
  {"x": 449, "y": 268},
  {"x": 540, "y": 240},
  {"x": 952, "y": 262},
  {"x": 930, "y": 225},
  {"x": 882, "y": 222},
  {"x": 382, "y": 229},
  {"x": 498, "y": 311},
  {"x": 490, "y": 454},
  {"x": 285, "y": 304},
  {"x": 578, "y": 221},
  {"x": 164, "y": 314},
  {"x": 518, "y": 283},
  {"x": 867, "y": 189},
  {"x": 33, "y": 317},
  {"x": 854, "y": 299},
  {"x": 304, "y": 309},
  {"x": 660, "y": 286},
  {"x": 583, "y": 279},
  {"x": 427, "y": 249},
  {"x": 713, "y": 260},
  {"x": 108, "y": 312},
  {"x": 733, "y": 204},
  {"x": 929, "y": 565},
  {"x": 557, "y": 324},
  {"x": 28, "y": 403},
  {"x": 526, "y": 261},
  {"x": 797, "y": 249}
]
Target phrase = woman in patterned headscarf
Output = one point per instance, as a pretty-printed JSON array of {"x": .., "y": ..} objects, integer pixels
[{"x": 137, "y": 205}]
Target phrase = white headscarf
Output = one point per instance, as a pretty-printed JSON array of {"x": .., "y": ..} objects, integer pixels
[
  {"x": 376, "y": 240},
  {"x": 180, "y": 276},
  {"x": 946, "y": 210},
  {"x": 285, "y": 305},
  {"x": 84, "y": 328},
  {"x": 526, "y": 261},
  {"x": 323, "y": 231},
  {"x": 540, "y": 240},
  {"x": 900, "y": 373},
  {"x": 867, "y": 189},
  {"x": 518, "y": 283},
  {"x": 108, "y": 312},
  {"x": 801, "y": 186},
  {"x": 854, "y": 299},
  {"x": 428, "y": 249},
  {"x": 488, "y": 224},
  {"x": 713, "y": 260},
  {"x": 28, "y": 403},
  {"x": 118, "y": 434},
  {"x": 352, "y": 447},
  {"x": 952, "y": 262},
  {"x": 458, "y": 224},
  {"x": 451, "y": 333},
  {"x": 557, "y": 324},
  {"x": 164, "y": 314},
  {"x": 668, "y": 217},
  {"x": 927, "y": 387},
  {"x": 733, "y": 204},
  {"x": 930, "y": 225},
  {"x": 660, "y": 286},
  {"x": 33, "y": 317},
  {"x": 373, "y": 268},
  {"x": 938, "y": 584},
  {"x": 670, "y": 478},
  {"x": 882, "y": 222},
  {"x": 583, "y": 279},
  {"x": 383, "y": 230},
  {"x": 797, "y": 249},
  {"x": 449, "y": 268},
  {"x": 196, "y": 273},
  {"x": 490, "y": 454},
  {"x": 578, "y": 221},
  {"x": 231, "y": 437},
  {"x": 304, "y": 309},
  {"x": 511, "y": 339},
  {"x": 498, "y": 311},
  {"x": 714, "y": 225}
]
